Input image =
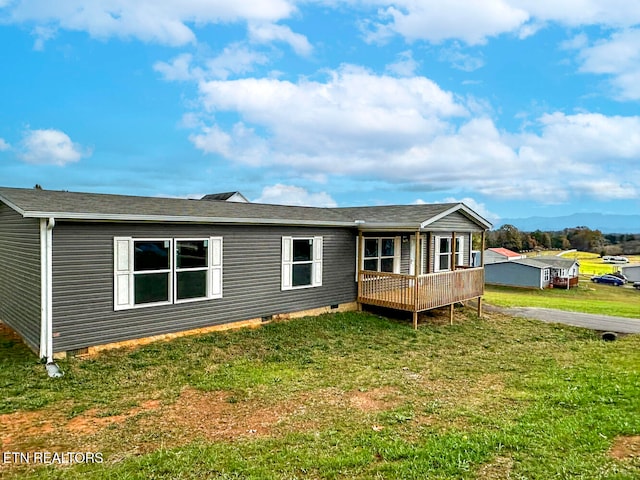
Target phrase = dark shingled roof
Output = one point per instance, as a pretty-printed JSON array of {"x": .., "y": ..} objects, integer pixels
[{"x": 93, "y": 206}]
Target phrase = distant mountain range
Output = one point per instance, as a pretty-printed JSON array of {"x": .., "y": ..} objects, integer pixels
[{"x": 594, "y": 221}]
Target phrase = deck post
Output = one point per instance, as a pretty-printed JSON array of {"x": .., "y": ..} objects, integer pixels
[
  {"x": 416, "y": 279},
  {"x": 358, "y": 266},
  {"x": 479, "y": 306},
  {"x": 453, "y": 251},
  {"x": 451, "y": 314}
]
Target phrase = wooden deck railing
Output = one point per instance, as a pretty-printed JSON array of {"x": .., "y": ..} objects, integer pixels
[{"x": 432, "y": 290}]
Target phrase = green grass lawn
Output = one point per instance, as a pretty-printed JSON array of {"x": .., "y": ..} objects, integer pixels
[
  {"x": 352, "y": 396},
  {"x": 588, "y": 297}
]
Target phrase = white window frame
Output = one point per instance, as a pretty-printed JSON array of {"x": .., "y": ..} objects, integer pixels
[
  {"x": 397, "y": 251},
  {"x": 124, "y": 273},
  {"x": 439, "y": 254},
  {"x": 213, "y": 269},
  {"x": 167, "y": 271},
  {"x": 459, "y": 252},
  {"x": 288, "y": 263}
]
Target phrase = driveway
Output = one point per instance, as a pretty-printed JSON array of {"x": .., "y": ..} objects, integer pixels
[{"x": 586, "y": 320}]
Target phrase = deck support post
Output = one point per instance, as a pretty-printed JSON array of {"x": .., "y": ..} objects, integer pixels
[
  {"x": 453, "y": 251},
  {"x": 479, "y": 307},
  {"x": 416, "y": 279},
  {"x": 359, "y": 264},
  {"x": 451, "y": 314}
]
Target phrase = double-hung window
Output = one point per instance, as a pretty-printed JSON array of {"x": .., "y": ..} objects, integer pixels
[
  {"x": 444, "y": 253},
  {"x": 161, "y": 271},
  {"x": 301, "y": 262},
  {"x": 151, "y": 271},
  {"x": 381, "y": 254}
]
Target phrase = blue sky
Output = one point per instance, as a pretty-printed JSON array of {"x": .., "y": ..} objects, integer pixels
[{"x": 516, "y": 107}]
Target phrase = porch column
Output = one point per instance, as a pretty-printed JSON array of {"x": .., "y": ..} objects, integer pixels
[
  {"x": 359, "y": 266},
  {"x": 453, "y": 251},
  {"x": 416, "y": 274}
]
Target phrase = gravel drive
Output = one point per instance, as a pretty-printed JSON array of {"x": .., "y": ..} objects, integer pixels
[{"x": 587, "y": 320}]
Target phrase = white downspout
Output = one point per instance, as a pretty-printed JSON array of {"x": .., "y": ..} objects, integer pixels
[
  {"x": 46, "y": 262},
  {"x": 49, "y": 305},
  {"x": 43, "y": 288}
]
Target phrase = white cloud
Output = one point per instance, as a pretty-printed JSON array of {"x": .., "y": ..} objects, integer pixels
[
  {"x": 161, "y": 21},
  {"x": 4, "y": 145},
  {"x": 235, "y": 59},
  {"x": 610, "y": 188},
  {"x": 476, "y": 206},
  {"x": 615, "y": 13},
  {"x": 409, "y": 130},
  {"x": 280, "y": 194},
  {"x": 470, "y": 21},
  {"x": 50, "y": 147},
  {"x": 178, "y": 69},
  {"x": 618, "y": 57},
  {"x": 405, "y": 66},
  {"x": 473, "y": 22},
  {"x": 269, "y": 32},
  {"x": 461, "y": 60}
]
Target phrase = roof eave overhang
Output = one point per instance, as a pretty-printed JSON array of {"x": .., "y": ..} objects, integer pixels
[
  {"x": 13, "y": 206},
  {"x": 480, "y": 221},
  {"x": 183, "y": 219}
]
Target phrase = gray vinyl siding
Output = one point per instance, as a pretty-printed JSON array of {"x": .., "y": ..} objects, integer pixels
[
  {"x": 20, "y": 274},
  {"x": 632, "y": 272},
  {"x": 513, "y": 274},
  {"x": 455, "y": 221},
  {"x": 83, "y": 313}
]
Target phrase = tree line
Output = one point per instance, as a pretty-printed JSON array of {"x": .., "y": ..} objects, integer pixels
[{"x": 580, "y": 238}]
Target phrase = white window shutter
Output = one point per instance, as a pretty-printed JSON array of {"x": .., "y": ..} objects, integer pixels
[
  {"x": 287, "y": 259},
  {"x": 122, "y": 273},
  {"x": 215, "y": 267},
  {"x": 317, "y": 261}
]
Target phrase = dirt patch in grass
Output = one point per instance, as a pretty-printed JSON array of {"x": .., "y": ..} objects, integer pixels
[
  {"x": 214, "y": 415},
  {"x": 626, "y": 448},
  {"x": 374, "y": 400},
  {"x": 498, "y": 469}
]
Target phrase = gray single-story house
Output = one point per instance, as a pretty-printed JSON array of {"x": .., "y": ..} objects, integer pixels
[
  {"x": 524, "y": 273},
  {"x": 632, "y": 272},
  {"x": 83, "y": 270},
  {"x": 534, "y": 272}
]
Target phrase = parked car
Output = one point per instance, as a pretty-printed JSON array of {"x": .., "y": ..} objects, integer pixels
[
  {"x": 636, "y": 285},
  {"x": 621, "y": 276},
  {"x": 610, "y": 279}
]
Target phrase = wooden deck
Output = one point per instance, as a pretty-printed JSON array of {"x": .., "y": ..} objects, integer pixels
[{"x": 424, "y": 292}]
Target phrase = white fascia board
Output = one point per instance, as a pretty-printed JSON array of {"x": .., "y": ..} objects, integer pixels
[
  {"x": 460, "y": 206},
  {"x": 108, "y": 217},
  {"x": 13, "y": 206}
]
